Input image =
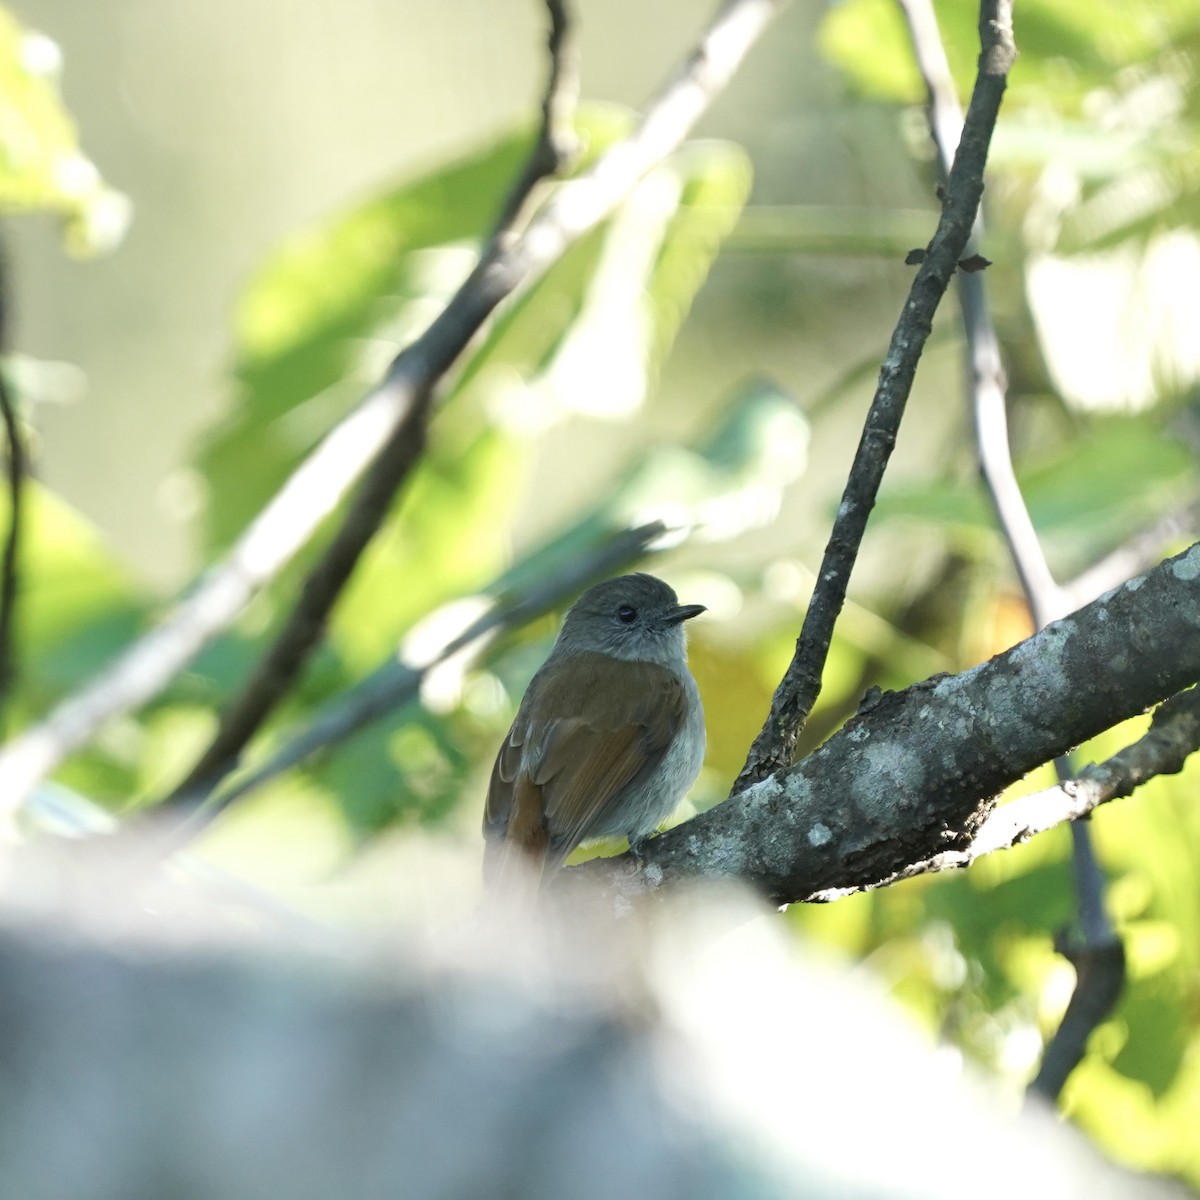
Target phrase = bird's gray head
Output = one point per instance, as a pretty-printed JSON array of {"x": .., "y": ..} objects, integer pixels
[{"x": 634, "y": 617}]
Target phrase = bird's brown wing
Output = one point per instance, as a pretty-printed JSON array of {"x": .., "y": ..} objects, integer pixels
[{"x": 604, "y": 725}]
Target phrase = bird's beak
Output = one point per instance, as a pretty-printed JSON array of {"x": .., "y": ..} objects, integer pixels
[{"x": 682, "y": 612}]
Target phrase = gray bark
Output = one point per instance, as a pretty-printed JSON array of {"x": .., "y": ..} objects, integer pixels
[{"x": 915, "y": 772}]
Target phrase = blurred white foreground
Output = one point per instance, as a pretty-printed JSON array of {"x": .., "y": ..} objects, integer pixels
[{"x": 157, "y": 1044}]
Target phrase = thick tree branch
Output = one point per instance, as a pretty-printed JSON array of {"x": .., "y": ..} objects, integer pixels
[
  {"x": 320, "y": 483},
  {"x": 915, "y": 775},
  {"x": 1174, "y": 734},
  {"x": 774, "y": 747}
]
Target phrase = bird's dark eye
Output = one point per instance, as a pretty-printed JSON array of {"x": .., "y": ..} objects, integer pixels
[{"x": 627, "y": 613}]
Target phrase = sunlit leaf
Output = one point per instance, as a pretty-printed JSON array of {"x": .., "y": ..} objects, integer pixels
[
  {"x": 327, "y": 313},
  {"x": 78, "y": 605},
  {"x": 42, "y": 168},
  {"x": 1117, "y": 329}
]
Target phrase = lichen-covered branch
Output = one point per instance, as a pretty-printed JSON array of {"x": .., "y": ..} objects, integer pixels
[{"x": 915, "y": 774}]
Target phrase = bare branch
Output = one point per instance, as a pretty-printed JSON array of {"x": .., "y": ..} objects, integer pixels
[
  {"x": 774, "y": 747},
  {"x": 987, "y": 379},
  {"x": 319, "y": 484},
  {"x": 396, "y": 683},
  {"x": 914, "y": 776},
  {"x": 556, "y": 144},
  {"x": 304, "y": 628},
  {"x": 10, "y": 565}
]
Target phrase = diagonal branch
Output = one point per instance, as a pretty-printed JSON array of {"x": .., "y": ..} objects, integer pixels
[
  {"x": 793, "y": 701},
  {"x": 304, "y": 629},
  {"x": 916, "y": 773},
  {"x": 397, "y": 683},
  {"x": 317, "y": 487},
  {"x": 1173, "y": 736}
]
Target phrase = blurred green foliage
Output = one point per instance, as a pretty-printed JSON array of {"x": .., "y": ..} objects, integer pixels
[
  {"x": 42, "y": 168},
  {"x": 1095, "y": 163}
]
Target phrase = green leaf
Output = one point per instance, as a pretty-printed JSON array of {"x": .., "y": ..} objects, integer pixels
[
  {"x": 1067, "y": 47},
  {"x": 588, "y": 336},
  {"x": 329, "y": 310},
  {"x": 78, "y": 606},
  {"x": 42, "y": 168},
  {"x": 1085, "y": 497}
]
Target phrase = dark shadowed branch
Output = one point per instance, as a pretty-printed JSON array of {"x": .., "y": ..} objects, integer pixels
[
  {"x": 1099, "y": 982},
  {"x": 397, "y": 682},
  {"x": 10, "y": 565},
  {"x": 774, "y": 747},
  {"x": 304, "y": 629},
  {"x": 316, "y": 488},
  {"x": 556, "y": 144}
]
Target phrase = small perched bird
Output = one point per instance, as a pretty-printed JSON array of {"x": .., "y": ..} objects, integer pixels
[{"x": 609, "y": 736}]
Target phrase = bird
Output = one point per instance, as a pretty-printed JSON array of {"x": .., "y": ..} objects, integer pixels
[{"x": 608, "y": 737}]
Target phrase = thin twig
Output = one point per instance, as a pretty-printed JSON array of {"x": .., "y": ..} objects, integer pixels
[
  {"x": 987, "y": 379},
  {"x": 316, "y": 488},
  {"x": 10, "y": 566},
  {"x": 775, "y": 745},
  {"x": 396, "y": 683},
  {"x": 1047, "y": 601},
  {"x": 557, "y": 144}
]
